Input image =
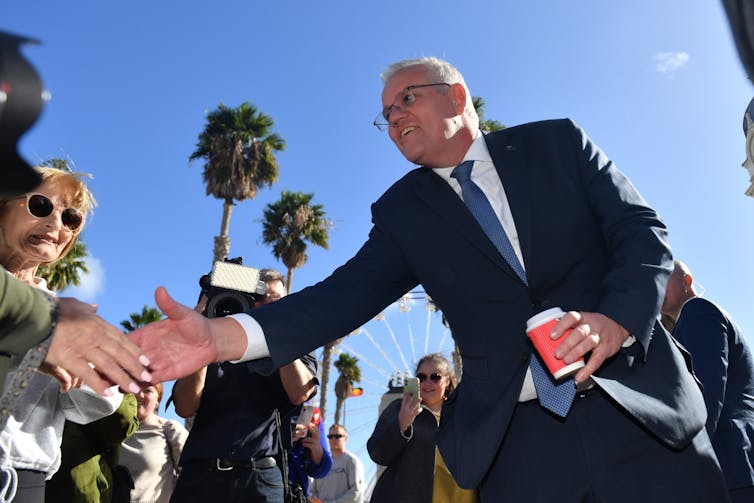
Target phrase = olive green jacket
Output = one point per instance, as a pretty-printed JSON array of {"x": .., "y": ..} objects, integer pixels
[
  {"x": 27, "y": 317},
  {"x": 89, "y": 454}
]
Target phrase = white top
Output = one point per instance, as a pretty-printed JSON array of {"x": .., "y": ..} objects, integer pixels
[
  {"x": 31, "y": 437},
  {"x": 344, "y": 483},
  {"x": 151, "y": 454}
]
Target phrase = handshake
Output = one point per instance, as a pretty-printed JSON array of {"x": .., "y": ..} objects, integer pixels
[{"x": 82, "y": 337}]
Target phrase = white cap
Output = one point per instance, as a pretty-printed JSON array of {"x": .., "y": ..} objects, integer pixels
[{"x": 538, "y": 319}]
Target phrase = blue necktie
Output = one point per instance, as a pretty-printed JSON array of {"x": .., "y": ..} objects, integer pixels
[{"x": 554, "y": 397}]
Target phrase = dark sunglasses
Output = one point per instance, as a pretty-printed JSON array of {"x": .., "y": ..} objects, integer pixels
[
  {"x": 40, "y": 206},
  {"x": 435, "y": 377},
  {"x": 335, "y": 435}
]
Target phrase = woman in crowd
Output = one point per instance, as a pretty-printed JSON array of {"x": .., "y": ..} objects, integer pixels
[
  {"x": 404, "y": 442},
  {"x": 152, "y": 453},
  {"x": 40, "y": 228}
]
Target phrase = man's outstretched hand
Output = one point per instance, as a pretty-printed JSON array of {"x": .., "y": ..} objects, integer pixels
[{"x": 186, "y": 341}]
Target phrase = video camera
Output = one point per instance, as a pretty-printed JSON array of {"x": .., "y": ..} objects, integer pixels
[{"x": 231, "y": 288}]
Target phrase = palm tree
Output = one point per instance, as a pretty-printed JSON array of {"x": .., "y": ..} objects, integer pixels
[
  {"x": 138, "y": 320},
  {"x": 327, "y": 352},
  {"x": 66, "y": 271},
  {"x": 485, "y": 124},
  {"x": 350, "y": 373},
  {"x": 238, "y": 149},
  {"x": 291, "y": 222}
]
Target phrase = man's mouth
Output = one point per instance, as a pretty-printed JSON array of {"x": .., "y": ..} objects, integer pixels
[{"x": 407, "y": 130}]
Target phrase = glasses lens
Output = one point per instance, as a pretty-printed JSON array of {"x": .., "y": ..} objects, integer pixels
[
  {"x": 435, "y": 377},
  {"x": 335, "y": 435},
  {"x": 380, "y": 122},
  {"x": 39, "y": 206},
  {"x": 71, "y": 218}
]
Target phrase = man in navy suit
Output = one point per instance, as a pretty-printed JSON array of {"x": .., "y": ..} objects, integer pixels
[
  {"x": 724, "y": 364},
  {"x": 580, "y": 238}
]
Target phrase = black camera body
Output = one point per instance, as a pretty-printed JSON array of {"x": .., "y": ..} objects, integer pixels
[{"x": 231, "y": 288}]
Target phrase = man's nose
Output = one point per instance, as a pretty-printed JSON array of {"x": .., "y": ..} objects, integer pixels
[{"x": 396, "y": 114}]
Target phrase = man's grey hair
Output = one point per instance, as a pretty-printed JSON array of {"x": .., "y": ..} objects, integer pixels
[
  {"x": 438, "y": 71},
  {"x": 270, "y": 275}
]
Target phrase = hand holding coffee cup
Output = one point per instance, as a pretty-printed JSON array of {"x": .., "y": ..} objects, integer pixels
[{"x": 538, "y": 328}]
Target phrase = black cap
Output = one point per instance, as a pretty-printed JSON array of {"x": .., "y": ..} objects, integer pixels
[{"x": 20, "y": 105}]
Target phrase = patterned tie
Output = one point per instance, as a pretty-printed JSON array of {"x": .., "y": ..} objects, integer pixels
[{"x": 554, "y": 397}]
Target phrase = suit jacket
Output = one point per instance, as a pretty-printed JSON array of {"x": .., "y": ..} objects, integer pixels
[
  {"x": 27, "y": 316},
  {"x": 724, "y": 364},
  {"x": 590, "y": 243}
]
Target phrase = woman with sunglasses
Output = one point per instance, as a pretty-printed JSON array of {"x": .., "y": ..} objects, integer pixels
[
  {"x": 35, "y": 229},
  {"x": 403, "y": 442}
]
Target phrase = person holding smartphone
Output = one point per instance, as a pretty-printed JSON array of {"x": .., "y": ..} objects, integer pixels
[
  {"x": 404, "y": 441},
  {"x": 309, "y": 455}
]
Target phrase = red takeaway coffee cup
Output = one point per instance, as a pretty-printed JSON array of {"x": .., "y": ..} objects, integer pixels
[{"x": 538, "y": 328}]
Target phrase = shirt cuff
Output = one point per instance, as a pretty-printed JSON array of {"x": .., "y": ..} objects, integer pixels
[
  {"x": 256, "y": 344},
  {"x": 627, "y": 343}
]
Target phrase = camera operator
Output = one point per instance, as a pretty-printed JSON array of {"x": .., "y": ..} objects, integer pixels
[{"x": 230, "y": 452}]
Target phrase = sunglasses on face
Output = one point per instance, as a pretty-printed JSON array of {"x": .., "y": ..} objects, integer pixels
[
  {"x": 335, "y": 435},
  {"x": 40, "y": 206},
  {"x": 434, "y": 377}
]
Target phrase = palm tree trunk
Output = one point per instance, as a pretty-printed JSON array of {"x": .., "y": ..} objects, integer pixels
[
  {"x": 338, "y": 408},
  {"x": 222, "y": 242},
  {"x": 457, "y": 362},
  {"x": 289, "y": 279},
  {"x": 327, "y": 353}
]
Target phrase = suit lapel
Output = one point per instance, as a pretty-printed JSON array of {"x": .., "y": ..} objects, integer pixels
[
  {"x": 513, "y": 172},
  {"x": 441, "y": 199}
]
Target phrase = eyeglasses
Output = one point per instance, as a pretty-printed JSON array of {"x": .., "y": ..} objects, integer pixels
[
  {"x": 406, "y": 99},
  {"x": 40, "y": 206},
  {"x": 335, "y": 435},
  {"x": 434, "y": 377}
]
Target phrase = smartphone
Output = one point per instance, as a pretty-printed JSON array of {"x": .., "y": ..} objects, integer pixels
[
  {"x": 412, "y": 386},
  {"x": 306, "y": 415}
]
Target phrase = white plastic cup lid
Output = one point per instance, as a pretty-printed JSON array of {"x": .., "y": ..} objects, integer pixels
[{"x": 543, "y": 317}]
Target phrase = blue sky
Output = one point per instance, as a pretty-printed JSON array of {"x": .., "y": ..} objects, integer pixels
[{"x": 658, "y": 85}]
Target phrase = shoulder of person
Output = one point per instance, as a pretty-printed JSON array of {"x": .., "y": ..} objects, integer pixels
[
  {"x": 700, "y": 305},
  {"x": 521, "y": 134}
]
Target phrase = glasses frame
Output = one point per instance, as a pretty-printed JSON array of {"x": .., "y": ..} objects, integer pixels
[
  {"x": 331, "y": 436},
  {"x": 434, "y": 377},
  {"x": 65, "y": 215},
  {"x": 382, "y": 122}
]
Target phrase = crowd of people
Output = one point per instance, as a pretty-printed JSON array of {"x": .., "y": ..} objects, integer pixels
[{"x": 632, "y": 424}]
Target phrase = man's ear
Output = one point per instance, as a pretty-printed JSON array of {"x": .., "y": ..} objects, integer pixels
[
  {"x": 687, "y": 280},
  {"x": 458, "y": 94}
]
